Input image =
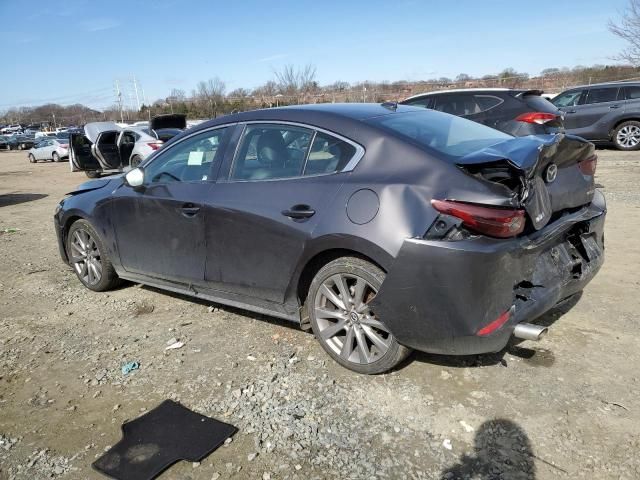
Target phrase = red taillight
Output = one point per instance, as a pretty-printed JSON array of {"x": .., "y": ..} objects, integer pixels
[
  {"x": 537, "y": 117},
  {"x": 155, "y": 145},
  {"x": 588, "y": 166},
  {"x": 66, "y": 145},
  {"x": 495, "y": 325},
  {"x": 492, "y": 221}
]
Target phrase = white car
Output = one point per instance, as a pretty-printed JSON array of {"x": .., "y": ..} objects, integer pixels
[
  {"x": 108, "y": 147},
  {"x": 49, "y": 149}
]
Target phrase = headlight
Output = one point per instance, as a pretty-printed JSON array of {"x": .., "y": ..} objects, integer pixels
[{"x": 58, "y": 208}]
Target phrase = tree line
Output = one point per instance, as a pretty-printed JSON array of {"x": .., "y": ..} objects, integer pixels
[{"x": 297, "y": 85}]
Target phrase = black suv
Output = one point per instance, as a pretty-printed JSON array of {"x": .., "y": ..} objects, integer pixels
[
  {"x": 605, "y": 112},
  {"x": 517, "y": 112}
]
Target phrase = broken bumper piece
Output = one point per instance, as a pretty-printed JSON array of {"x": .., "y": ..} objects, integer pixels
[{"x": 440, "y": 296}]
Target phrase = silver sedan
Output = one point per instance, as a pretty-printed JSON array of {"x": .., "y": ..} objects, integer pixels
[{"x": 50, "y": 149}]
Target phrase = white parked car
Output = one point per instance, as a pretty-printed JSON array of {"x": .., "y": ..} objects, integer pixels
[
  {"x": 108, "y": 147},
  {"x": 49, "y": 149}
]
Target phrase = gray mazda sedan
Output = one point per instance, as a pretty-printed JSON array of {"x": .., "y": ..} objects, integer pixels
[{"x": 382, "y": 228}]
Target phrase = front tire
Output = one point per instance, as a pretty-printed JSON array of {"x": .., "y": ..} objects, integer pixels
[
  {"x": 55, "y": 157},
  {"x": 92, "y": 174},
  {"x": 88, "y": 257},
  {"x": 344, "y": 324},
  {"x": 626, "y": 136}
]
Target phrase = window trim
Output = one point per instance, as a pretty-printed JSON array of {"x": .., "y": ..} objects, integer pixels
[
  {"x": 589, "y": 90},
  {"x": 161, "y": 153},
  {"x": 500, "y": 102},
  {"x": 351, "y": 164}
]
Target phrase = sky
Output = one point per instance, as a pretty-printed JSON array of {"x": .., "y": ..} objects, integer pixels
[{"x": 73, "y": 51}]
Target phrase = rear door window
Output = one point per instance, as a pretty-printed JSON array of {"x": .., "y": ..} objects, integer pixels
[
  {"x": 270, "y": 151},
  {"x": 460, "y": 105},
  {"x": 601, "y": 95},
  {"x": 487, "y": 102},
  {"x": 632, "y": 93}
]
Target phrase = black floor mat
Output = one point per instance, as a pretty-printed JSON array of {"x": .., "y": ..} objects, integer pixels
[{"x": 153, "y": 442}]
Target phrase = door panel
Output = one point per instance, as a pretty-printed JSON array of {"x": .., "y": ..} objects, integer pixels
[
  {"x": 253, "y": 247},
  {"x": 160, "y": 226},
  {"x": 106, "y": 150},
  {"x": 80, "y": 156},
  {"x": 160, "y": 231}
]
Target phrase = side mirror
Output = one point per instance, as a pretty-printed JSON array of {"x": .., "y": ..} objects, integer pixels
[{"x": 135, "y": 178}]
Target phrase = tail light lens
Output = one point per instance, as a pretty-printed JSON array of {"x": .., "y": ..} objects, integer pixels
[
  {"x": 64, "y": 145},
  {"x": 491, "y": 221},
  {"x": 155, "y": 145},
  {"x": 588, "y": 166},
  {"x": 537, "y": 117}
]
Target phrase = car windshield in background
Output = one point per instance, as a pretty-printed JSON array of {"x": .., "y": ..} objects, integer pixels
[
  {"x": 453, "y": 136},
  {"x": 62, "y": 136}
]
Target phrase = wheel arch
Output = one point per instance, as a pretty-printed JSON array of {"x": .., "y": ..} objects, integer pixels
[
  {"x": 318, "y": 257},
  {"x": 634, "y": 118},
  {"x": 66, "y": 225}
]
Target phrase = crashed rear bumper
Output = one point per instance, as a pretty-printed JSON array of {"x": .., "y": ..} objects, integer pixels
[{"x": 439, "y": 294}]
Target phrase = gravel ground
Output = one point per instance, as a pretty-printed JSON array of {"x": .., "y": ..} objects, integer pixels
[{"x": 565, "y": 407}]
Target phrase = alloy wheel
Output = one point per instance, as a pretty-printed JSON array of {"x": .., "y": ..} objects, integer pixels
[
  {"x": 628, "y": 136},
  {"x": 85, "y": 257},
  {"x": 346, "y": 323}
]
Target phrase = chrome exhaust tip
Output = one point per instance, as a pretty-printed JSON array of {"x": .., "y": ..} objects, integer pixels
[{"x": 529, "y": 331}]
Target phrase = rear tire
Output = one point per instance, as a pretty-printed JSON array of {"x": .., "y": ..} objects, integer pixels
[
  {"x": 32, "y": 159},
  {"x": 347, "y": 328},
  {"x": 135, "y": 162},
  {"x": 55, "y": 157},
  {"x": 626, "y": 136},
  {"x": 88, "y": 257}
]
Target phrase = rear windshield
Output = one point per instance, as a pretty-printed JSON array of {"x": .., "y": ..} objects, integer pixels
[
  {"x": 453, "y": 136},
  {"x": 539, "y": 104}
]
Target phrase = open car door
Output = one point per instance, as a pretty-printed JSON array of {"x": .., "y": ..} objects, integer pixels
[
  {"x": 106, "y": 150},
  {"x": 81, "y": 158}
]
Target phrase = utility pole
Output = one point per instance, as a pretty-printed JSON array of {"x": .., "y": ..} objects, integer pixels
[
  {"x": 119, "y": 95},
  {"x": 135, "y": 87}
]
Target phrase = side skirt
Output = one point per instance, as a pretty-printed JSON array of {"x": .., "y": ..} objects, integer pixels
[{"x": 216, "y": 298}]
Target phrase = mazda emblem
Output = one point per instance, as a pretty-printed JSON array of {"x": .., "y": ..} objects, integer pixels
[{"x": 551, "y": 173}]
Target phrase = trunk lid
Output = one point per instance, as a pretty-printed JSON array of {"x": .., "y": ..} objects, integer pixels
[
  {"x": 172, "y": 120},
  {"x": 94, "y": 129},
  {"x": 542, "y": 171}
]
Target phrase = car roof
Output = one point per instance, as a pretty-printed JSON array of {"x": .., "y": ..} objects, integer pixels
[
  {"x": 465, "y": 90},
  {"x": 620, "y": 83},
  {"x": 319, "y": 114}
]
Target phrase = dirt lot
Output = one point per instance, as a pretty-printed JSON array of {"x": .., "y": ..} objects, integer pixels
[{"x": 566, "y": 407}]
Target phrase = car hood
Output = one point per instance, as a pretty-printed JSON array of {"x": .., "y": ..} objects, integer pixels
[
  {"x": 95, "y": 184},
  {"x": 93, "y": 129}
]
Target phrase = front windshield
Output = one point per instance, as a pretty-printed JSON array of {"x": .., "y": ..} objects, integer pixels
[{"x": 453, "y": 136}]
